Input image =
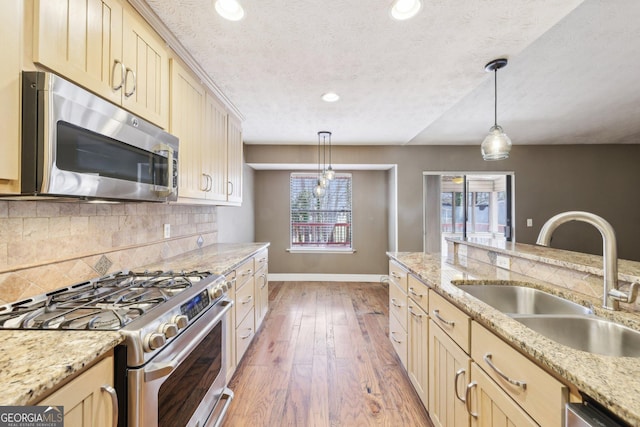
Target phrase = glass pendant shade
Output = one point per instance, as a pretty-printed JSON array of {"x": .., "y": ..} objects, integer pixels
[
  {"x": 329, "y": 174},
  {"x": 497, "y": 145},
  {"x": 319, "y": 190},
  {"x": 323, "y": 182}
]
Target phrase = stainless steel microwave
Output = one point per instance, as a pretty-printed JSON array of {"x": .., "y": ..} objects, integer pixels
[{"x": 76, "y": 144}]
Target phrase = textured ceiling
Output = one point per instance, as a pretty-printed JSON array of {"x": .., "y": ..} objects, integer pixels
[{"x": 420, "y": 81}]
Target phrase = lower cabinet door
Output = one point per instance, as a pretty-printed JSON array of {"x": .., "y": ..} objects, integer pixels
[
  {"x": 417, "y": 350},
  {"x": 88, "y": 399},
  {"x": 398, "y": 337},
  {"x": 491, "y": 406},
  {"x": 449, "y": 373}
]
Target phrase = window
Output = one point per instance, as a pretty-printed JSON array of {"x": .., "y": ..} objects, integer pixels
[{"x": 320, "y": 223}]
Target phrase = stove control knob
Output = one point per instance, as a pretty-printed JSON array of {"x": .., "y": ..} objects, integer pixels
[
  {"x": 169, "y": 329},
  {"x": 180, "y": 320},
  {"x": 216, "y": 292},
  {"x": 153, "y": 341},
  {"x": 224, "y": 287}
]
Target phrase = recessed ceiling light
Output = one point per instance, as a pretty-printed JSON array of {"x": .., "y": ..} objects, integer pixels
[
  {"x": 330, "y": 97},
  {"x": 405, "y": 9},
  {"x": 229, "y": 9}
]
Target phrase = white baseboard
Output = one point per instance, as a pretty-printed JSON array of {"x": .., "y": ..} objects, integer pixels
[{"x": 312, "y": 277}]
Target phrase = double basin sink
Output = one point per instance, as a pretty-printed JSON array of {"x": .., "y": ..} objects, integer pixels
[{"x": 558, "y": 319}]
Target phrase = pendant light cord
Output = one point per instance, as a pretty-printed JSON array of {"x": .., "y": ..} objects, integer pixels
[{"x": 495, "y": 97}]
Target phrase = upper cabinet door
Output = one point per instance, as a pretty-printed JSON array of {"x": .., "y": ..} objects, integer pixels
[
  {"x": 234, "y": 184},
  {"x": 187, "y": 122},
  {"x": 82, "y": 40},
  {"x": 215, "y": 148},
  {"x": 146, "y": 81}
]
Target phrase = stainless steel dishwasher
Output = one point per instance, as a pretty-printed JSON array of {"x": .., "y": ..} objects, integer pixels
[{"x": 585, "y": 415}]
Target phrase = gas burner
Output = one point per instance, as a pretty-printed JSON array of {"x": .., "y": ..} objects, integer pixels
[{"x": 107, "y": 303}]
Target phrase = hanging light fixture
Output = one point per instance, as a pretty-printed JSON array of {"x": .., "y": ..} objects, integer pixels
[
  {"x": 322, "y": 183},
  {"x": 497, "y": 144},
  {"x": 328, "y": 172}
]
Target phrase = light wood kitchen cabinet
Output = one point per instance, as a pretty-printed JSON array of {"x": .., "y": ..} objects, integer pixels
[
  {"x": 453, "y": 321},
  {"x": 215, "y": 164},
  {"x": 418, "y": 350},
  {"x": 490, "y": 406},
  {"x": 89, "y": 399},
  {"x": 261, "y": 261},
  {"x": 11, "y": 36},
  {"x": 449, "y": 373},
  {"x": 418, "y": 337},
  {"x": 398, "y": 313},
  {"x": 244, "y": 307},
  {"x": 529, "y": 386},
  {"x": 187, "y": 123},
  {"x": 106, "y": 47},
  {"x": 235, "y": 161}
]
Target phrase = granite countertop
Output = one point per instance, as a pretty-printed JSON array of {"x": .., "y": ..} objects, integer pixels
[
  {"x": 32, "y": 363},
  {"x": 612, "y": 381}
]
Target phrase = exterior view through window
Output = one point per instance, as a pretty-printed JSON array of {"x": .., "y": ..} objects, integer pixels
[
  {"x": 486, "y": 212},
  {"x": 320, "y": 223}
]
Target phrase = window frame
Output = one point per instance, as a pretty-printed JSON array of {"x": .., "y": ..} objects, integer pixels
[{"x": 318, "y": 247}]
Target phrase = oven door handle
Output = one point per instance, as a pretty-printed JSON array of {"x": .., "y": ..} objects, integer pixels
[{"x": 160, "y": 370}]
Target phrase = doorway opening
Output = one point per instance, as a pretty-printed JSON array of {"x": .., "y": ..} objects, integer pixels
[{"x": 467, "y": 205}]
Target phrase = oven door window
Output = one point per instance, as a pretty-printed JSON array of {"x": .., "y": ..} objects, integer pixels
[
  {"x": 181, "y": 394},
  {"x": 83, "y": 151}
]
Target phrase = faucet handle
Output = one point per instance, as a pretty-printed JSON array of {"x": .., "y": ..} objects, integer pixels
[{"x": 627, "y": 297}]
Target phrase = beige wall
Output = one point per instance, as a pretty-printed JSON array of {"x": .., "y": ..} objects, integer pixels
[
  {"x": 46, "y": 245},
  {"x": 548, "y": 180},
  {"x": 370, "y": 218}
]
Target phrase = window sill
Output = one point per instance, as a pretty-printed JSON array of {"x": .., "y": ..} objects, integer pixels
[{"x": 320, "y": 251}]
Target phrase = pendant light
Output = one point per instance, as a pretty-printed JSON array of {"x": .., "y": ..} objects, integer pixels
[
  {"x": 497, "y": 144},
  {"x": 328, "y": 172},
  {"x": 322, "y": 183}
]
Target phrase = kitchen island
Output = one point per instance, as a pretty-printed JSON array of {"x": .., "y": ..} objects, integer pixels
[
  {"x": 613, "y": 382},
  {"x": 33, "y": 363}
]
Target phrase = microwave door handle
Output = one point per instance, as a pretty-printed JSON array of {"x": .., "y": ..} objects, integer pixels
[
  {"x": 160, "y": 370},
  {"x": 168, "y": 189}
]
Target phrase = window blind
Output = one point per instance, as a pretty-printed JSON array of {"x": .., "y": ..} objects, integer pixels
[{"x": 320, "y": 222}]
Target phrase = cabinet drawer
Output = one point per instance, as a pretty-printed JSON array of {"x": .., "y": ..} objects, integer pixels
[
  {"x": 261, "y": 260},
  {"x": 244, "y": 334},
  {"x": 419, "y": 292},
  {"x": 398, "y": 275},
  {"x": 398, "y": 304},
  {"x": 451, "y": 319},
  {"x": 245, "y": 299},
  {"x": 398, "y": 337},
  {"x": 543, "y": 397},
  {"x": 244, "y": 272}
]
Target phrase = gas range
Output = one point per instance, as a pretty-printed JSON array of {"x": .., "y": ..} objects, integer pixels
[{"x": 149, "y": 307}]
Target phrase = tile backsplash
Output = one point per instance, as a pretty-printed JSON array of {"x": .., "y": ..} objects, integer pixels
[{"x": 45, "y": 245}]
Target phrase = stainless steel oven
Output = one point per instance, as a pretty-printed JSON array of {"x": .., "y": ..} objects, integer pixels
[
  {"x": 183, "y": 384},
  {"x": 171, "y": 369}
]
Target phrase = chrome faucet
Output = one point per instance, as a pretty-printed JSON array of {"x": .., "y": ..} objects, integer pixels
[{"x": 611, "y": 295}]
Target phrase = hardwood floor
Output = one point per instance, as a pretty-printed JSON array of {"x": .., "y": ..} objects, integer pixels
[{"x": 322, "y": 358}]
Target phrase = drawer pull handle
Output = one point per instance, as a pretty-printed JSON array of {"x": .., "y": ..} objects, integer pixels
[
  {"x": 244, "y": 337},
  {"x": 414, "y": 313},
  {"x": 467, "y": 399},
  {"x": 395, "y": 302},
  {"x": 414, "y": 293},
  {"x": 436, "y": 314},
  {"x": 393, "y": 337},
  {"x": 248, "y": 300},
  {"x": 247, "y": 273},
  {"x": 455, "y": 384},
  {"x": 487, "y": 358},
  {"x": 395, "y": 275}
]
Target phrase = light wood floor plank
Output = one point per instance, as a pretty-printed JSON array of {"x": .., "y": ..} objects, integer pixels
[{"x": 323, "y": 359}]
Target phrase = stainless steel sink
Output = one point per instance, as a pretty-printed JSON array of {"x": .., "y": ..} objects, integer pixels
[
  {"x": 587, "y": 333},
  {"x": 523, "y": 300}
]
